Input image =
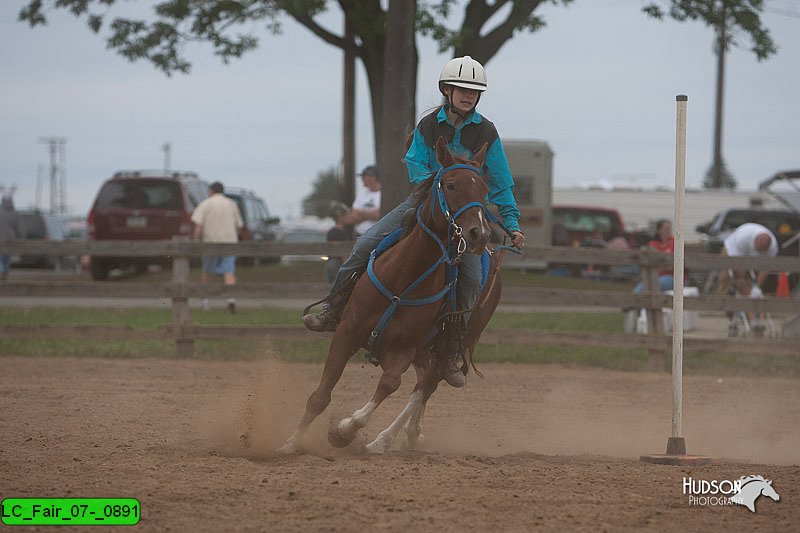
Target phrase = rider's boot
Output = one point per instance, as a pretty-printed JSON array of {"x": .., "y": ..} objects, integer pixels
[
  {"x": 328, "y": 318},
  {"x": 450, "y": 346}
]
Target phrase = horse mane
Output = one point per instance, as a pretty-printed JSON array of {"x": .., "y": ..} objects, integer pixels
[{"x": 745, "y": 480}]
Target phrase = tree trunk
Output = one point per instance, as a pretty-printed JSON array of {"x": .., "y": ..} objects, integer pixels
[{"x": 397, "y": 111}]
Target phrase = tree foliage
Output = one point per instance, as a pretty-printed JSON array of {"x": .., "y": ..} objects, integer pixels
[
  {"x": 738, "y": 16},
  {"x": 727, "y": 179},
  {"x": 327, "y": 188}
]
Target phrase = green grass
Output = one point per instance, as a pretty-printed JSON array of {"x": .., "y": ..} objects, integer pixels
[
  {"x": 316, "y": 350},
  {"x": 313, "y": 271}
]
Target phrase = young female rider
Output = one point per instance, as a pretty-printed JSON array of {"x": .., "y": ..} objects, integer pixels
[{"x": 461, "y": 83}]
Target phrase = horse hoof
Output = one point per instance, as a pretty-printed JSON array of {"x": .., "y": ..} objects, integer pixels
[
  {"x": 336, "y": 439},
  {"x": 412, "y": 443},
  {"x": 377, "y": 447},
  {"x": 290, "y": 448}
]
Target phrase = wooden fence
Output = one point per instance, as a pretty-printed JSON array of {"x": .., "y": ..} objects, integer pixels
[{"x": 180, "y": 289}]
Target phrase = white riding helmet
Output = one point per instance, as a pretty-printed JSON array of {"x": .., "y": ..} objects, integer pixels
[{"x": 463, "y": 72}]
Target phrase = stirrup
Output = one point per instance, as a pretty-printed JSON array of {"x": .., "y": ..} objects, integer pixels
[{"x": 334, "y": 304}]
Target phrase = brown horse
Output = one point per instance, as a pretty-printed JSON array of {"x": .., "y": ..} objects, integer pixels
[{"x": 403, "y": 341}]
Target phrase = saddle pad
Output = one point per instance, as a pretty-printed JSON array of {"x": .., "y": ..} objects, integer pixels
[
  {"x": 388, "y": 241},
  {"x": 485, "y": 260}
]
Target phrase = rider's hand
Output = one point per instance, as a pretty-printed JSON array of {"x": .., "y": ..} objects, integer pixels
[{"x": 519, "y": 239}]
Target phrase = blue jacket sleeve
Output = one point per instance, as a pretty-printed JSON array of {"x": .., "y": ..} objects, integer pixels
[
  {"x": 501, "y": 185},
  {"x": 418, "y": 160}
]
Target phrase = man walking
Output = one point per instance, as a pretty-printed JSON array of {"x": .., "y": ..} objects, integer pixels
[{"x": 217, "y": 219}]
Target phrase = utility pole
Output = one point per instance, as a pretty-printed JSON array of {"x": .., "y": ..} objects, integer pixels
[
  {"x": 58, "y": 183},
  {"x": 62, "y": 169},
  {"x": 167, "y": 147},
  {"x": 722, "y": 44},
  {"x": 39, "y": 185}
]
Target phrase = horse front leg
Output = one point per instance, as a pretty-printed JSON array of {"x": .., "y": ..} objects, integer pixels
[
  {"x": 396, "y": 363},
  {"x": 340, "y": 351}
]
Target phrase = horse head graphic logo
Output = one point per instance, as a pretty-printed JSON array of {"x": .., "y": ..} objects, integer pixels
[{"x": 751, "y": 488}]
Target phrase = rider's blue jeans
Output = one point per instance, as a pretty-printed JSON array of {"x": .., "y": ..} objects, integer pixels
[{"x": 469, "y": 277}]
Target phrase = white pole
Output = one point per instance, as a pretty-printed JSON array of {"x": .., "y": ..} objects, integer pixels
[{"x": 677, "y": 298}]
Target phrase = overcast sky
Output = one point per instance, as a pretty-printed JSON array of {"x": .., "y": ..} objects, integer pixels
[{"x": 598, "y": 83}]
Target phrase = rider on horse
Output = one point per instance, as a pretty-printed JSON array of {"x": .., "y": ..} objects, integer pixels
[{"x": 461, "y": 82}]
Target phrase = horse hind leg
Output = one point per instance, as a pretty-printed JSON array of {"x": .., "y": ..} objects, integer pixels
[
  {"x": 340, "y": 351},
  {"x": 343, "y": 433},
  {"x": 411, "y": 415},
  {"x": 428, "y": 379}
]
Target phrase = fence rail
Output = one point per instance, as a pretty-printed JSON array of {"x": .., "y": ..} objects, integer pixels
[{"x": 180, "y": 289}]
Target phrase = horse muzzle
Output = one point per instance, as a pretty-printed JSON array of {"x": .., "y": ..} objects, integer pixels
[{"x": 477, "y": 237}]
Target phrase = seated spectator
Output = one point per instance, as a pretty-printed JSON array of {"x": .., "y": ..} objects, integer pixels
[
  {"x": 338, "y": 232},
  {"x": 595, "y": 240},
  {"x": 616, "y": 241},
  {"x": 663, "y": 242}
]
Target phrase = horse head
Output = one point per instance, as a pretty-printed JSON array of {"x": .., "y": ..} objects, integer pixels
[
  {"x": 461, "y": 192},
  {"x": 768, "y": 491}
]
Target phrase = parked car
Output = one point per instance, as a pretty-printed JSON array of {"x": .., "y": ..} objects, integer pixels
[
  {"x": 38, "y": 225},
  {"x": 259, "y": 225},
  {"x": 142, "y": 205},
  {"x": 302, "y": 233},
  {"x": 783, "y": 223}
]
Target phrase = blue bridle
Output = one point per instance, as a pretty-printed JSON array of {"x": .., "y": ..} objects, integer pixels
[{"x": 449, "y": 257}]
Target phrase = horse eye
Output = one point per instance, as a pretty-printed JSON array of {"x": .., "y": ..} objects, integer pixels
[{"x": 450, "y": 187}]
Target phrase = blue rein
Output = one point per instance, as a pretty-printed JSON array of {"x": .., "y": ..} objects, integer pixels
[{"x": 449, "y": 257}]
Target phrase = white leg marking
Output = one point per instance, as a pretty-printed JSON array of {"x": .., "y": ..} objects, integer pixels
[
  {"x": 290, "y": 446},
  {"x": 414, "y": 429},
  {"x": 349, "y": 426},
  {"x": 384, "y": 440}
]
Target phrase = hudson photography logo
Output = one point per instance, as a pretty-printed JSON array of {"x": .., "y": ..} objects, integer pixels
[{"x": 743, "y": 491}]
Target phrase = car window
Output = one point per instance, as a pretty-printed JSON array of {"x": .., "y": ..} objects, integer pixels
[
  {"x": 584, "y": 221},
  {"x": 140, "y": 194},
  {"x": 253, "y": 213},
  {"x": 263, "y": 211},
  {"x": 198, "y": 191},
  {"x": 782, "y": 224}
]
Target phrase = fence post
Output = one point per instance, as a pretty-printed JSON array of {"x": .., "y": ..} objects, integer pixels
[
  {"x": 655, "y": 316},
  {"x": 180, "y": 303}
]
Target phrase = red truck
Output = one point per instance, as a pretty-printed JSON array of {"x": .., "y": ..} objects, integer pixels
[{"x": 573, "y": 224}]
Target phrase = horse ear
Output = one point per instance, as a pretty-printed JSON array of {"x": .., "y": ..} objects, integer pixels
[
  {"x": 443, "y": 154},
  {"x": 480, "y": 157}
]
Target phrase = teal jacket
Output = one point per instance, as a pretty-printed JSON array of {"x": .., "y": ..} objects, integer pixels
[{"x": 465, "y": 141}]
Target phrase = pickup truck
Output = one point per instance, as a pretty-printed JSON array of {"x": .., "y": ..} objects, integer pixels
[{"x": 572, "y": 224}]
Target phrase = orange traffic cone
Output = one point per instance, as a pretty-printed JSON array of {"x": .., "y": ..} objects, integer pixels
[{"x": 782, "y": 289}]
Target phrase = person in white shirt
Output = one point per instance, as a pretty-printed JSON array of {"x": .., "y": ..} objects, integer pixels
[
  {"x": 217, "y": 219},
  {"x": 748, "y": 240},
  {"x": 367, "y": 205}
]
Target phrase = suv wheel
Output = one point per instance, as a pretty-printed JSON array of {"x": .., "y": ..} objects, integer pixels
[{"x": 98, "y": 270}]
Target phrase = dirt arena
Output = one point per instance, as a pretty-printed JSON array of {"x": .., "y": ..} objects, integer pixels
[{"x": 526, "y": 448}]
